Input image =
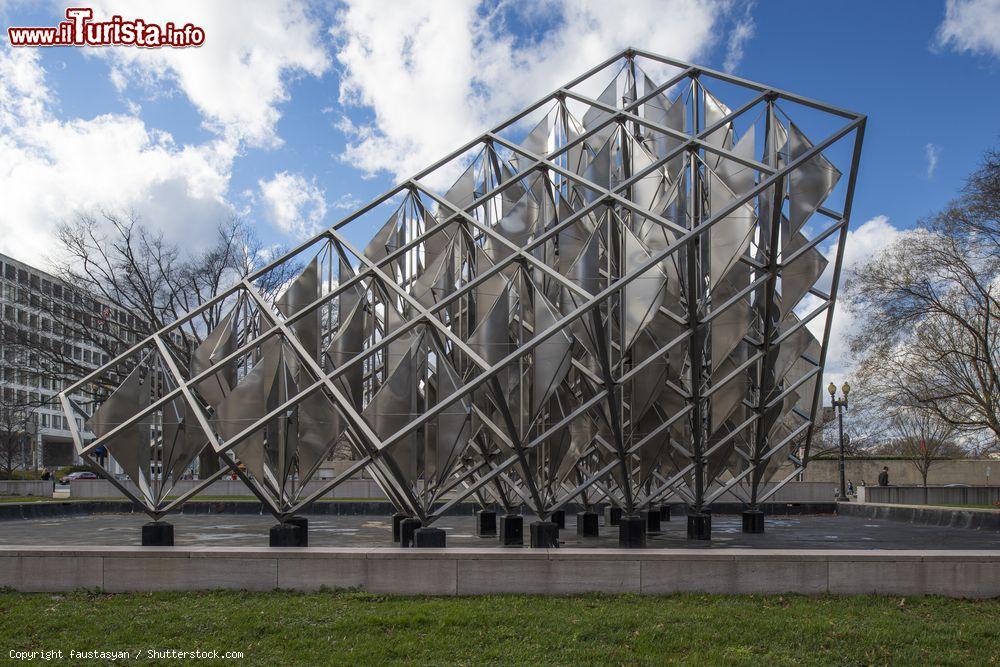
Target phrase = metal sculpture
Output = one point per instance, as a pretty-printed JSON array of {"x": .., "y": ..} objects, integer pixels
[{"x": 610, "y": 303}]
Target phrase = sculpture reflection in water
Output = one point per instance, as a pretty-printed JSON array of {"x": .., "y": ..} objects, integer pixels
[{"x": 621, "y": 299}]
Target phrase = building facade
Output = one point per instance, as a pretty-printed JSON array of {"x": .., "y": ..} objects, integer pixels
[{"x": 35, "y": 307}]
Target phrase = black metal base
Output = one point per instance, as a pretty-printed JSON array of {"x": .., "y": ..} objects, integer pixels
[
  {"x": 158, "y": 534},
  {"x": 652, "y": 522},
  {"x": 612, "y": 515},
  {"x": 486, "y": 523},
  {"x": 632, "y": 532},
  {"x": 302, "y": 524},
  {"x": 586, "y": 524},
  {"x": 397, "y": 519},
  {"x": 699, "y": 526},
  {"x": 664, "y": 513},
  {"x": 544, "y": 535},
  {"x": 429, "y": 538},
  {"x": 753, "y": 521},
  {"x": 559, "y": 518},
  {"x": 511, "y": 530},
  {"x": 285, "y": 535},
  {"x": 407, "y": 528}
]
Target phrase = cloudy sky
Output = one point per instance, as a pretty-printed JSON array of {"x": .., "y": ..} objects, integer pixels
[{"x": 292, "y": 114}]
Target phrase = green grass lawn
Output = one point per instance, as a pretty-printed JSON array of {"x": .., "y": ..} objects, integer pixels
[{"x": 354, "y": 628}]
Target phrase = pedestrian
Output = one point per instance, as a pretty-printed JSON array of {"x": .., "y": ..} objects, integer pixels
[
  {"x": 850, "y": 488},
  {"x": 46, "y": 475},
  {"x": 883, "y": 477}
]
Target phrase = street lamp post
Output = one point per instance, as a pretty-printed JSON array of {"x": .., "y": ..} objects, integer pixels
[{"x": 839, "y": 405}]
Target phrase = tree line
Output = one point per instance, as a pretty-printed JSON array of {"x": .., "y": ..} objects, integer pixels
[{"x": 928, "y": 341}]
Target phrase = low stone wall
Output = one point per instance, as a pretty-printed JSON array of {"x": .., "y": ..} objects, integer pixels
[
  {"x": 27, "y": 487},
  {"x": 102, "y": 488},
  {"x": 932, "y": 495},
  {"x": 973, "y": 574},
  {"x": 975, "y": 519}
]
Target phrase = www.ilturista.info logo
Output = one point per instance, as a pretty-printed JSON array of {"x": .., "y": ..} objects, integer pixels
[{"x": 81, "y": 30}]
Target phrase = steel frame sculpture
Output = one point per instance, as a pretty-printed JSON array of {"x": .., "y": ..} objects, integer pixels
[{"x": 609, "y": 304}]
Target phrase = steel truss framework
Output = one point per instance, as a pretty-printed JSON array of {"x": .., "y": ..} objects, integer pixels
[{"x": 609, "y": 304}]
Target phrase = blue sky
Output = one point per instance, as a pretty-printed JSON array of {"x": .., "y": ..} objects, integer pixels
[
  {"x": 292, "y": 114},
  {"x": 882, "y": 59}
]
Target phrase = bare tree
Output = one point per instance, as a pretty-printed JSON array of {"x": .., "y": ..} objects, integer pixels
[
  {"x": 17, "y": 420},
  {"x": 923, "y": 439},
  {"x": 863, "y": 428},
  {"x": 928, "y": 305},
  {"x": 120, "y": 282}
]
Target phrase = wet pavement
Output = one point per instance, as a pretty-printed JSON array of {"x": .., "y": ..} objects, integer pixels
[{"x": 781, "y": 532}]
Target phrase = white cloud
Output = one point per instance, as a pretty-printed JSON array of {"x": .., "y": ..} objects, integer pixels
[
  {"x": 932, "y": 152},
  {"x": 293, "y": 204},
  {"x": 742, "y": 33},
  {"x": 347, "y": 202},
  {"x": 971, "y": 25},
  {"x": 51, "y": 168},
  {"x": 23, "y": 90},
  {"x": 863, "y": 244},
  {"x": 436, "y": 74},
  {"x": 868, "y": 240},
  {"x": 239, "y": 77}
]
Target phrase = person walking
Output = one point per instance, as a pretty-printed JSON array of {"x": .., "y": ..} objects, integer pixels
[{"x": 883, "y": 477}]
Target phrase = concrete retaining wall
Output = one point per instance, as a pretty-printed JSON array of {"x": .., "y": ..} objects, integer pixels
[
  {"x": 901, "y": 471},
  {"x": 973, "y": 574},
  {"x": 932, "y": 495},
  {"x": 29, "y": 487},
  {"x": 102, "y": 488}
]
